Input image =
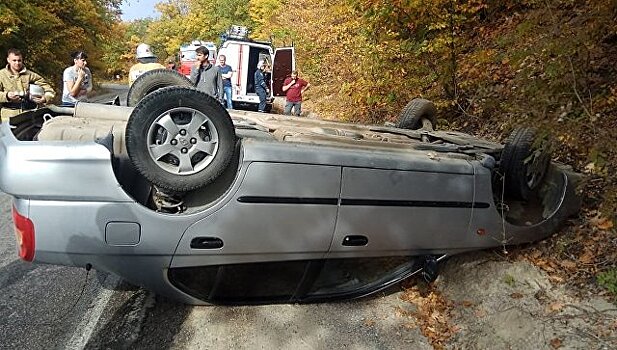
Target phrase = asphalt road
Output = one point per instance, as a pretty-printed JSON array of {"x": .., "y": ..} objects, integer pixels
[{"x": 57, "y": 307}]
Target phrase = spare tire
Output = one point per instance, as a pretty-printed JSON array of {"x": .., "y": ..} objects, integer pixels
[
  {"x": 153, "y": 80},
  {"x": 524, "y": 162},
  {"x": 180, "y": 138},
  {"x": 415, "y": 112}
]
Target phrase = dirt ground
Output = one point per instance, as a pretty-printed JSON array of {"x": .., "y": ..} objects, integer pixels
[
  {"x": 480, "y": 301},
  {"x": 483, "y": 301}
]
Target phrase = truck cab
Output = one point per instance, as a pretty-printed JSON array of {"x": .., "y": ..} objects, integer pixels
[
  {"x": 243, "y": 54},
  {"x": 188, "y": 56}
]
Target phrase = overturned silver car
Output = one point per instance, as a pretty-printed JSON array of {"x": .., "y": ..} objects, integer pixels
[{"x": 206, "y": 206}]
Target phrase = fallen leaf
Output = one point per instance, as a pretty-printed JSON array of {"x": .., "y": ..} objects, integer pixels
[
  {"x": 555, "y": 343},
  {"x": 369, "y": 322},
  {"x": 601, "y": 222},
  {"x": 568, "y": 264},
  {"x": 590, "y": 167},
  {"x": 536, "y": 253},
  {"x": 516, "y": 295},
  {"x": 606, "y": 224},
  {"x": 467, "y": 303},
  {"x": 556, "y": 279},
  {"x": 554, "y": 307},
  {"x": 587, "y": 257}
]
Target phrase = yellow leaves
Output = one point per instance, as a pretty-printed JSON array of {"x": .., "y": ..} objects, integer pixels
[{"x": 432, "y": 315}]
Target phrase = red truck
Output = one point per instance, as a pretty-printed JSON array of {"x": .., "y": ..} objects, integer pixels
[{"x": 188, "y": 57}]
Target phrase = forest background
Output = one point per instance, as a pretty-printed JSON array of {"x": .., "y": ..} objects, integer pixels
[{"x": 489, "y": 66}]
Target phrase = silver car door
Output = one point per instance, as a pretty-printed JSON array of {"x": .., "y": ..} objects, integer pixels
[
  {"x": 403, "y": 212},
  {"x": 281, "y": 211}
]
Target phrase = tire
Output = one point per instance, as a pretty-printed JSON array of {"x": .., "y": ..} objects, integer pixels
[
  {"x": 524, "y": 163},
  {"x": 414, "y": 112},
  {"x": 154, "y": 80},
  {"x": 180, "y": 138}
]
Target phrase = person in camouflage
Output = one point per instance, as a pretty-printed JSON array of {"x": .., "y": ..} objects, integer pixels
[{"x": 15, "y": 81}]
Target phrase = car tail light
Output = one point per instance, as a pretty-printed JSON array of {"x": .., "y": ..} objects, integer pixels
[{"x": 24, "y": 233}]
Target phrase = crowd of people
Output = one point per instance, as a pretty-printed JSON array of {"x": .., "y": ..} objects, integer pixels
[
  {"x": 215, "y": 80},
  {"x": 16, "y": 81}
]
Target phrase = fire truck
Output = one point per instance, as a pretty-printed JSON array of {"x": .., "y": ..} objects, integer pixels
[{"x": 188, "y": 57}]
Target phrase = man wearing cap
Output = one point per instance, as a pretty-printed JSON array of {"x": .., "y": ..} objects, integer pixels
[
  {"x": 15, "y": 82},
  {"x": 146, "y": 61}
]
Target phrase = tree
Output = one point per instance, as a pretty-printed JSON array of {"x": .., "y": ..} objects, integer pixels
[{"x": 48, "y": 32}]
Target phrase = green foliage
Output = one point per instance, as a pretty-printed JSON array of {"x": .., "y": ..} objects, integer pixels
[
  {"x": 509, "y": 280},
  {"x": 184, "y": 20},
  {"x": 608, "y": 280},
  {"x": 48, "y": 32}
]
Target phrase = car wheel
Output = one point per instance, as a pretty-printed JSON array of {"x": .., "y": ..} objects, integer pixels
[
  {"x": 180, "y": 138},
  {"x": 524, "y": 162},
  {"x": 415, "y": 112},
  {"x": 153, "y": 80}
]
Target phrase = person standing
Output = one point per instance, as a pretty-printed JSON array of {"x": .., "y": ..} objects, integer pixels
[
  {"x": 77, "y": 80},
  {"x": 171, "y": 63},
  {"x": 261, "y": 88},
  {"x": 205, "y": 76},
  {"x": 226, "y": 74},
  {"x": 294, "y": 87},
  {"x": 146, "y": 61},
  {"x": 15, "y": 82}
]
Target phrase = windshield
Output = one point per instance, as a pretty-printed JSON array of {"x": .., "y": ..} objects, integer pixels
[
  {"x": 192, "y": 55},
  {"x": 188, "y": 55}
]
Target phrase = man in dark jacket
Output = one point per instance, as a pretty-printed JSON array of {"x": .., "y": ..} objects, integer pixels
[
  {"x": 261, "y": 88},
  {"x": 206, "y": 76}
]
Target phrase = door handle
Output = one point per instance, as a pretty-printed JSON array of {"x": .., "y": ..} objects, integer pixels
[
  {"x": 355, "y": 241},
  {"x": 206, "y": 243}
]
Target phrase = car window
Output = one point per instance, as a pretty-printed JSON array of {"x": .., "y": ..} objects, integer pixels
[
  {"x": 358, "y": 276},
  {"x": 242, "y": 283},
  {"x": 189, "y": 55}
]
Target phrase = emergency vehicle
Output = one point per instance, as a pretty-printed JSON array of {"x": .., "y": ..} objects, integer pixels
[
  {"x": 188, "y": 56},
  {"x": 243, "y": 55}
]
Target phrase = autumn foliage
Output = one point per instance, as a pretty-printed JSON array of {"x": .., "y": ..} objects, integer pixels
[
  {"x": 47, "y": 32},
  {"x": 488, "y": 65}
]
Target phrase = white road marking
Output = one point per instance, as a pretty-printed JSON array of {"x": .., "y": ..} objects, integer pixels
[{"x": 84, "y": 330}]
